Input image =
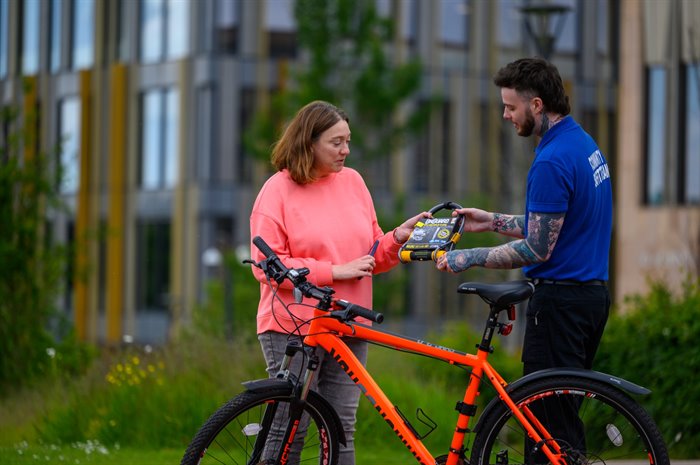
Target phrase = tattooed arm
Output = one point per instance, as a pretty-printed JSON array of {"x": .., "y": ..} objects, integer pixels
[
  {"x": 476, "y": 220},
  {"x": 543, "y": 232}
]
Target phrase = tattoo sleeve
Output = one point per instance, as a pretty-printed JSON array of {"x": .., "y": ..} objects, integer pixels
[
  {"x": 509, "y": 225},
  {"x": 543, "y": 232}
]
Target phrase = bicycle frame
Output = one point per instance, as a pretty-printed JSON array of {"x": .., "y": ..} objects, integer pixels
[{"x": 326, "y": 333}]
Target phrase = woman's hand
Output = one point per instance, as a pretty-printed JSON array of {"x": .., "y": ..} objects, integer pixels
[
  {"x": 357, "y": 268},
  {"x": 404, "y": 230}
]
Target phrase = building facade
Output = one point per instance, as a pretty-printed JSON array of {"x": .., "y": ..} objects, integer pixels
[{"x": 150, "y": 99}]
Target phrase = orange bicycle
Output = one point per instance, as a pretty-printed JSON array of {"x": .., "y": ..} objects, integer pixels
[{"x": 282, "y": 421}]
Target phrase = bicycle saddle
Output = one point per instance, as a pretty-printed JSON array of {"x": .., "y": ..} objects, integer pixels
[{"x": 499, "y": 294}]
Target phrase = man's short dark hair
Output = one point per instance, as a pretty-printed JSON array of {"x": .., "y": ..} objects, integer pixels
[{"x": 535, "y": 77}]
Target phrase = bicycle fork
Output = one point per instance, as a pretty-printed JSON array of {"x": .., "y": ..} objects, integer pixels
[{"x": 298, "y": 401}]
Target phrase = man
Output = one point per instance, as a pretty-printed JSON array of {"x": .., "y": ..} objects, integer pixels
[{"x": 564, "y": 236}]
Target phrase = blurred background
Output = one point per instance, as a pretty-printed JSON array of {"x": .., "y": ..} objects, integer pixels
[{"x": 158, "y": 115}]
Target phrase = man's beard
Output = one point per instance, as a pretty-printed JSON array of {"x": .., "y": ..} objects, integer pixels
[{"x": 528, "y": 126}]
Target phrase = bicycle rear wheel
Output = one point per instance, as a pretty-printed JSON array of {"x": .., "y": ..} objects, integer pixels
[
  {"x": 612, "y": 426},
  {"x": 246, "y": 430}
]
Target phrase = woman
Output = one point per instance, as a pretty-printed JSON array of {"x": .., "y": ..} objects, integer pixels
[{"x": 318, "y": 214}]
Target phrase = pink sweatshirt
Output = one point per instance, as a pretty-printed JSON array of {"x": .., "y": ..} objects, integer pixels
[{"x": 329, "y": 222}]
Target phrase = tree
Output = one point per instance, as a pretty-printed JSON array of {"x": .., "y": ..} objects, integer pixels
[
  {"x": 346, "y": 62},
  {"x": 33, "y": 343}
]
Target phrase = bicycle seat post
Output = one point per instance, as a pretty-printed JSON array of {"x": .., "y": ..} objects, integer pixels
[{"x": 491, "y": 325}]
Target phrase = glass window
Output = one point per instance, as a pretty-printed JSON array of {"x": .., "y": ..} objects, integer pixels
[
  {"x": 153, "y": 270},
  {"x": 4, "y": 11},
  {"x": 226, "y": 20},
  {"x": 151, "y": 30},
  {"x": 204, "y": 134},
  {"x": 692, "y": 135},
  {"x": 409, "y": 19},
  {"x": 56, "y": 7},
  {"x": 160, "y": 119},
  {"x": 510, "y": 23},
  {"x": 279, "y": 15},
  {"x": 656, "y": 135},
  {"x": 164, "y": 29},
  {"x": 30, "y": 37},
  {"x": 178, "y": 29},
  {"x": 171, "y": 143},
  {"x": 454, "y": 21},
  {"x": 603, "y": 25},
  {"x": 151, "y": 141},
  {"x": 124, "y": 30},
  {"x": 69, "y": 137},
  {"x": 568, "y": 32},
  {"x": 385, "y": 9},
  {"x": 281, "y": 23},
  {"x": 83, "y": 34}
]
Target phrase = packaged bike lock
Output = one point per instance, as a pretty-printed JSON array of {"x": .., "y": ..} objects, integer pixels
[{"x": 433, "y": 237}]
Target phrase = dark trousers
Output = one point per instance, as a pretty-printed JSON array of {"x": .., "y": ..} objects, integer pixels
[{"x": 564, "y": 326}]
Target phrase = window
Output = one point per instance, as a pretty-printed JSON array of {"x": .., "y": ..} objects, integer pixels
[
  {"x": 281, "y": 25},
  {"x": 159, "y": 153},
  {"x": 603, "y": 26},
  {"x": 408, "y": 15},
  {"x": 568, "y": 34},
  {"x": 691, "y": 145},
  {"x": 656, "y": 136},
  {"x": 409, "y": 24},
  {"x": 83, "y": 34},
  {"x": 164, "y": 30},
  {"x": 56, "y": 7},
  {"x": 431, "y": 170},
  {"x": 30, "y": 36},
  {"x": 4, "y": 22},
  {"x": 226, "y": 25},
  {"x": 510, "y": 23},
  {"x": 454, "y": 22},
  {"x": 244, "y": 166},
  {"x": 69, "y": 138},
  {"x": 207, "y": 156},
  {"x": 153, "y": 270}
]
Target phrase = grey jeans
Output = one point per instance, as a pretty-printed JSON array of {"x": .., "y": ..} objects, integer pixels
[{"x": 330, "y": 381}]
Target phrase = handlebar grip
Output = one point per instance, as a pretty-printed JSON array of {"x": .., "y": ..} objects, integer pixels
[
  {"x": 262, "y": 246},
  {"x": 351, "y": 310},
  {"x": 366, "y": 313},
  {"x": 369, "y": 314}
]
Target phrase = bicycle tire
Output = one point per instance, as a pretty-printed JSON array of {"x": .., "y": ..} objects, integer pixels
[
  {"x": 615, "y": 426},
  {"x": 234, "y": 433}
]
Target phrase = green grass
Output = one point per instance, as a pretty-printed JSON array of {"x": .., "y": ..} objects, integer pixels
[{"x": 85, "y": 454}]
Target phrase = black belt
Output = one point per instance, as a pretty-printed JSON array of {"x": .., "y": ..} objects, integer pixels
[{"x": 569, "y": 282}]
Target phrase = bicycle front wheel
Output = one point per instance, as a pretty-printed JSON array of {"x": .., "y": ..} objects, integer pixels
[
  {"x": 593, "y": 422},
  {"x": 249, "y": 430}
]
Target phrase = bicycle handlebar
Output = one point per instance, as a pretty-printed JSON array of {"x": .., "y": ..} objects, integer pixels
[{"x": 273, "y": 268}]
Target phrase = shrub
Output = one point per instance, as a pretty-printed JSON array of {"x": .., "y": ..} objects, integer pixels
[{"x": 654, "y": 343}]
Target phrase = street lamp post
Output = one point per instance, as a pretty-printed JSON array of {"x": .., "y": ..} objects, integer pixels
[{"x": 538, "y": 18}]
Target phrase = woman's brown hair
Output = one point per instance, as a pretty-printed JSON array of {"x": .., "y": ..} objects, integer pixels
[{"x": 293, "y": 150}]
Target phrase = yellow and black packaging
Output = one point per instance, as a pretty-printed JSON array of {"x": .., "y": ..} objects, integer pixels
[{"x": 433, "y": 236}]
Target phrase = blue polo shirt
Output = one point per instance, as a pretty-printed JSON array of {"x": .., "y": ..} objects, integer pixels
[{"x": 570, "y": 175}]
